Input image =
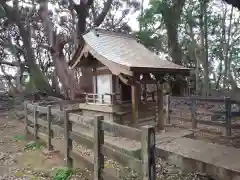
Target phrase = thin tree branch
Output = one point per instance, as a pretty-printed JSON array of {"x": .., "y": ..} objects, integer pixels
[{"x": 100, "y": 18}]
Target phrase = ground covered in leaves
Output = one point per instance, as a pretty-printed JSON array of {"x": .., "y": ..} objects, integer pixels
[{"x": 23, "y": 159}]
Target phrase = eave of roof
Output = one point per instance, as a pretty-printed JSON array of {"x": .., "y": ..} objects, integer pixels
[{"x": 112, "y": 48}]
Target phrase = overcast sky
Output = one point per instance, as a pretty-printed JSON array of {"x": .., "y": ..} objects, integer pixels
[{"x": 133, "y": 20}]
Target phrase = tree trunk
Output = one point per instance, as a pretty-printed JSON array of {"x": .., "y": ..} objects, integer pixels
[
  {"x": 227, "y": 59},
  {"x": 204, "y": 45},
  {"x": 37, "y": 77},
  {"x": 175, "y": 51},
  {"x": 65, "y": 76}
]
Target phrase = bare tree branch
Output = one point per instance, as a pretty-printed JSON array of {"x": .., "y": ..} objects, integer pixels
[{"x": 102, "y": 15}]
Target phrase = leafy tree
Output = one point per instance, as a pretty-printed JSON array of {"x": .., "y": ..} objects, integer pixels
[{"x": 40, "y": 42}]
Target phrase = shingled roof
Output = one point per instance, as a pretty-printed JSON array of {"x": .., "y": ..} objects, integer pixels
[{"x": 114, "y": 49}]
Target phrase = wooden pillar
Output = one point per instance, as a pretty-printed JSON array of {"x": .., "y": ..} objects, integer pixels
[
  {"x": 98, "y": 142},
  {"x": 95, "y": 79},
  {"x": 228, "y": 130},
  {"x": 145, "y": 92},
  {"x": 160, "y": 111},
  {"x": 166, "y": 109},
  {"x": 49, "y": 120},
  {"x": 26, "y": 119},
  {"x": 134, "y": 100},
  {"x": 148, "y": 153},
  {"x": 68, "y": 140}
]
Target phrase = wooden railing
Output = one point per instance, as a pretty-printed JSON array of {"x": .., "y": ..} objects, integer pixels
[
  {"x": 192, "y": 107},
  {"x": 35, "y": 125},
  {"x": 105, "y": 99}
]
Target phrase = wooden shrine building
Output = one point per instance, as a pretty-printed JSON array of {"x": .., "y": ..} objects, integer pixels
[{"x": 122, "y": 69}]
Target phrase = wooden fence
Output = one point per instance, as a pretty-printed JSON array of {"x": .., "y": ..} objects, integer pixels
[
  {"x": 227, "y": 112},
  {"x": 146, "y": 167}
]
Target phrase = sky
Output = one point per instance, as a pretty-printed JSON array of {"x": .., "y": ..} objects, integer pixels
[{"x": 133, "y": 22}]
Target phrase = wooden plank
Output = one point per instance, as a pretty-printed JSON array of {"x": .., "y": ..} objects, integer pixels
[
  {"x": 68, "y": 141},
  {"x": 123, "y": 131},
  {"x": 228, "y": 131},
  {"x": 42, "y": 109},
  {"x": 211, "y": 123},
  {"x": 40, "y": 133},
  {"x": 98, "y": 142},
  {"x": 57, "y": 112},
  {"x": 69, "y": 102},
  {"x": 235, "y": 126},
  {"x": 180, "y": 118},
  {"x": 200, "y": 98},
  {"x": 78, "y": 110},
  {"x": 148, "y": 153},
  {"x": 86, "y": 162},
  {"x": 41, "y": 129},
  {"x": 81, "y": 139},
  {"x": 35, "y": 121},
  {"x": 116, "y": 129},
  {"x": 79, "y": 119},
  {"x": 160, "y": 112},
  {"x": 210, "y": 99},
  {"x": 193, "y": 114},
  {"x": 234, "y": 101},
  {"x": 235, "y": 114},
  {"x": 57, "y": 128},
  {"x": 180, "y": 109},
  {"x": 166, "y": 109},
  {"x": 49, "y": 121},
  {"x": 26, "y": 119},
  {"x": 151, "y": 118},
  {"x": 30, "y": 107},
  {"x": 41, "y": 122},
  {"x": 180, "y": 97},
  {"x": 134, "y": 101},
  {"x": 122, "y": 158}
]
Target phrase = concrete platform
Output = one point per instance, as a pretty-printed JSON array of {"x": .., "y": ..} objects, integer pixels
[
  {"x": 218, "y": 161},
  {"x": 132, "y": 147}
]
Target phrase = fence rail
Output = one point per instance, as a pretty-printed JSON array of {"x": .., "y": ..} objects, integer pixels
[
  {"x": 191, "y": 106},
  {"x": 35, "y": 125}
]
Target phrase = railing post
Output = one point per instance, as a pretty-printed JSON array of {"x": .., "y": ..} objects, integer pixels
[
  {"x": 49, "y": 120},
  {"x": 86, "y": 98},
  {"x": 61, "y": 106},
  {"x": 228, "y": 116},
  {"x": 102, "y": 99},
  {"x": 36, "y": 126},
  {"x": 98, "y": 141},
  {"x": 26, "y": 119},
  {"x": 193, "y": 113},
  {"x": 111, "y": 99},
  {"x": 95, "y": 97},
  {"x": 148, "y": 153},
  {"x": 166, "y": 108},
  {"x": 68, "y": 141}
]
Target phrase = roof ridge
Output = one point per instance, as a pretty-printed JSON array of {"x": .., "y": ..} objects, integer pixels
[{"x": 115, "y": 33}]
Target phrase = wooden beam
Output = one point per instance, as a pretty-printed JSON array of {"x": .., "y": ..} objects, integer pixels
[
  {"x": 160, "y": 112},
  {"x": 85, "y": 49},
  {"x": 162, "y": 71},
  {"x": 145, "y": 92},
  {"x": 95, "y": 79},
  {"x": 134, "y": 100}
]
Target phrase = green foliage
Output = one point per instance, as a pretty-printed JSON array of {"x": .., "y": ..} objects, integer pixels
[
  {"x": 19, "y": 138},
  {"x": 63, "y": 174},
  {"x": 33, "y": 146},
  {"x": 2, "y": 12}
]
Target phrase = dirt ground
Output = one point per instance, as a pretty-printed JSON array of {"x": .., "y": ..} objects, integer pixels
[{"x": 18, "y": 163}]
